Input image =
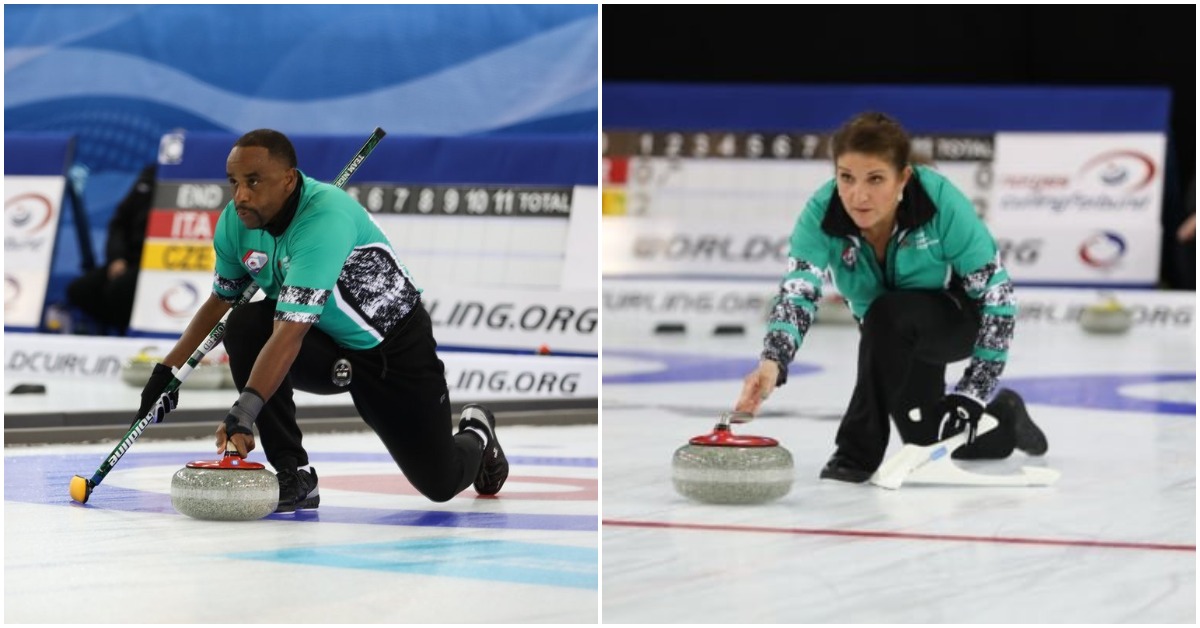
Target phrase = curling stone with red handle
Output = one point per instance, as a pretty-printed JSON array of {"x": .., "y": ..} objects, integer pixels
[
  {"x": 231, "y": 489},
  {"x": 726, "y": 468}
]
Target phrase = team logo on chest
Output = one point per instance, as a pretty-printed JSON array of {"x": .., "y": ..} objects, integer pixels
[
  {"x": 254, "y": 261},
  {"x": 921, "y": 240},
  {"x": 850, "y": 256}
]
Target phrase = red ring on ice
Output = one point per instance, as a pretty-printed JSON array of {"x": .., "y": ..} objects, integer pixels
[{"x": 586, "y": 489}]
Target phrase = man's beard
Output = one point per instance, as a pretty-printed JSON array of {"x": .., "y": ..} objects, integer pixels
[{"x": 257, "y": 216}]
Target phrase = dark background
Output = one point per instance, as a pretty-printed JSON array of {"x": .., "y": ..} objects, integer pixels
[{"x": 927, "y": 45}]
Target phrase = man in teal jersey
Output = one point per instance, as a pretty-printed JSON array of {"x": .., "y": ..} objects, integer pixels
[
  {"x": 340, "y": 314},
  {"x": 922, "y": 276}
]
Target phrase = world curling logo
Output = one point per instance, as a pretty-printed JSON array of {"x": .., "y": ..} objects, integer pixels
[
  {"x": 180, "y": 300},
  {"x": 1102, "y": 250}
]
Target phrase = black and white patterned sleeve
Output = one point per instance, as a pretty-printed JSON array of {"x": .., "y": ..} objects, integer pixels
[
  {"x": 992, "y": 288},
  {"x": 792, "y": 313}
]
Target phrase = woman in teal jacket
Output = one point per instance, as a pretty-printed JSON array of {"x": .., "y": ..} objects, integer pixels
[{"x": 922, "y": 275}]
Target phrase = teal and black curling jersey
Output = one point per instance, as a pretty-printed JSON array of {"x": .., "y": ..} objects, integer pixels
[
  {"x": 939, "y": 243},
  {"x": 324, "y": 260}
]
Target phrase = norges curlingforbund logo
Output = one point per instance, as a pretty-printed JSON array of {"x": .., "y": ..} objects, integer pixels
[{"x": 1124, "y": 170}]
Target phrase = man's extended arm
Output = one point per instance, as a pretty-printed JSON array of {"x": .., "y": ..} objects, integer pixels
[{"x": 277, "y": 356}]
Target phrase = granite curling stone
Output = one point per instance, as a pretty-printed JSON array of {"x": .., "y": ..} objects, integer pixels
[
  {"x": 231, "y": 489},
  {"x": 725, "y": 468},
  {"x": 1106, "y": 317}
]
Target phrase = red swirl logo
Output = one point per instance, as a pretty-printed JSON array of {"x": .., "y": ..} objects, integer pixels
[
  {"x": 12, "y": 290},
  {"x": 28, "y": 213},
  {"x": 180, "y": 300},
  {"x": 1102, "y": 250},
  {"x": 1128, "y": 170}
]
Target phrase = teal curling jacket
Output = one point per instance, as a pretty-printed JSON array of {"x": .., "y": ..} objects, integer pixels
[
  {"x": 324, "y": 260},
  {"x": 939, "y": 243}
]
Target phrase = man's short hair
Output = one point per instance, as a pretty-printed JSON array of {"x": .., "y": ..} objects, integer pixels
[{"x": 276, "y": 143}]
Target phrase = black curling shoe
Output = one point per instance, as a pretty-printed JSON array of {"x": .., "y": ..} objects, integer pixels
[{"x": 1029, "y": 437}]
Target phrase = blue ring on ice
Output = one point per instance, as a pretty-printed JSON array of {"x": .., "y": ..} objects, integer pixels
[
  {"x": 1101, "y": 392},
  {"x": 44, "y": 479}
]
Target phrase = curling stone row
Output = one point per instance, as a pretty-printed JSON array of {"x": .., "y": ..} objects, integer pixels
[{"x": 208, "y": 374}]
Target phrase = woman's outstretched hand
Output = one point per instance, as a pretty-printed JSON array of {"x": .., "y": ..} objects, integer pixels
[{"x": 757, "y": 386}]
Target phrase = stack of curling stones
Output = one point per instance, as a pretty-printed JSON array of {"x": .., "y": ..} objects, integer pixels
[
  {"x": 1106, "y": 317},
  {"x": 209, "y": 374},
  {"x": 230, "y": 489},
  {"x": 725, "y": 468}
]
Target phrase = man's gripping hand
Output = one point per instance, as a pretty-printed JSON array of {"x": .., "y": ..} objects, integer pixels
[
  {"x": 235, "y": 431},
  {"x": 153, "y": 393}
]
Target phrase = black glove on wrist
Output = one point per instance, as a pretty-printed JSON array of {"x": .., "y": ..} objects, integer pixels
[
  {"x": 159, "y": 378},
  {"x": 956, "y": 413},
  {"x": 243, "y": 413},
  {"x": 234, "y": 426}
]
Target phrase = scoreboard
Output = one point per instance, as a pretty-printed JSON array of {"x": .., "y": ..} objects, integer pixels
[
  {"x": 489, "y": 225},
  {"x": 714, "y": 172},
  {"x": 699, "y": 181}
]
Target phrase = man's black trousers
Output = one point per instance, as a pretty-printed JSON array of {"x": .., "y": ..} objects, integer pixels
[{"x": 399, "y": 389}]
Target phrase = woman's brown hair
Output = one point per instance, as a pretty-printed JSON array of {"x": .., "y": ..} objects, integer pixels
[{"x": 874, "y": 133}]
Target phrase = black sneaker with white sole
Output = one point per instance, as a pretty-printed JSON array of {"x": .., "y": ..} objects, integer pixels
[
  {"x": 297, "y": 490},
  {"x": 493, "y": 470}
]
